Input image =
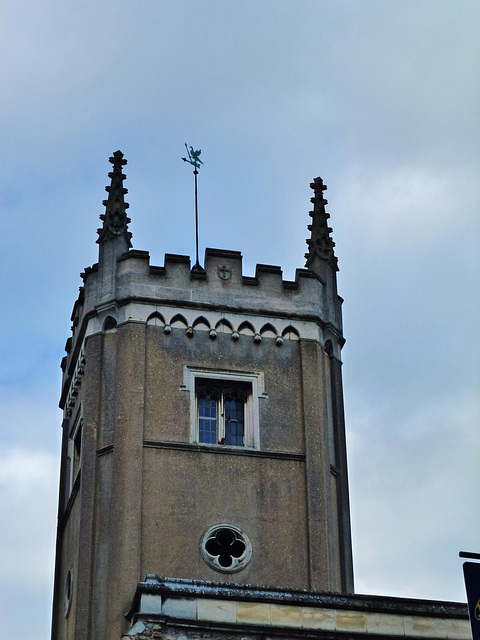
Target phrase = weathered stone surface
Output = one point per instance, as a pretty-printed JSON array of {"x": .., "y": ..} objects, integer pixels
[
  {"x": 148, "y": 491},
  {"x": 236, "y": 611}
]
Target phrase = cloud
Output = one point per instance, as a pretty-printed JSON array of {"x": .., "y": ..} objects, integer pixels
[
  {"x": 31, "y": 419},
  {"x": 28, "y": 498},
  {"x": 414, "y": 480},
  {"x": 408, "y": 208},
  {"x": 379, "y": 98},
  {"x": 28, "y": 495}
]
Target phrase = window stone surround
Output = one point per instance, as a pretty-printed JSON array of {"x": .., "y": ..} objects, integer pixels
[{"x": 256, "y": 379}]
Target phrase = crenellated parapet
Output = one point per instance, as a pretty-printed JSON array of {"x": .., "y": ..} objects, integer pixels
[
  {"x": 203, "y": 436},
  {"x": 222, "y": 283},
  {"x": 218, "y": 298}
]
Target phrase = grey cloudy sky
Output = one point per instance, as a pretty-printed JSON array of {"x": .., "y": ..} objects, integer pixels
[{"x": 379, "y": 97}]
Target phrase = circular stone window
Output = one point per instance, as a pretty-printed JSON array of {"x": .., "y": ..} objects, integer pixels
[
  {"x": 226, "y": 548},
  {"x": 67, "y": 596}
]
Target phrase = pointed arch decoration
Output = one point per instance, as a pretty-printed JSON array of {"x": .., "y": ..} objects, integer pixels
[
  {"x": 156, "y": 319},
  {"x": 202, "y": 324},
  {"x": 268, "y": 331},
  {"x": 246, "y": 329},
  {"x": 178, "y": 322},
  {"x": 290, "y": 333},
  {"x": 224, "y": 326}
]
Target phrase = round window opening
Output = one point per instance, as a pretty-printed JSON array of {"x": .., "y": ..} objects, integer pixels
[{"x": 226, "y": 548}]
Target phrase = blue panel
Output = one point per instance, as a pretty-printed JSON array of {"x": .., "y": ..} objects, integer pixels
[{"x": 207, "y": 420}]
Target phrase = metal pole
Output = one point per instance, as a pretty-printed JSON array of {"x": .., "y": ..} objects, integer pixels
[{"x": 195, "y": 173}]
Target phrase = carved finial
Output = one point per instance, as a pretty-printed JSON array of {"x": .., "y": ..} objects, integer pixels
[
  {"x": 115, "y": 219},
  {"x": 320, "y": 243}
]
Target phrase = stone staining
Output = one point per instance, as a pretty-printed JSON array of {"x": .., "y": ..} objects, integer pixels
[
  {"x": 151, "y": 496},
  {"x": 144, "y": 492}
]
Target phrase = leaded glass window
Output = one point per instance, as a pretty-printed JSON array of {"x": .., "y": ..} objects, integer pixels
[
  {"x": 221, "y": 411},
  {"x": 207, "y": 418},
  {"x": 234, "y": 410}
]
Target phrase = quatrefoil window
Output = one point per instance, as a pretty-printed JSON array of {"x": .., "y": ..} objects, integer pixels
[{"x": 226, "y": 548}]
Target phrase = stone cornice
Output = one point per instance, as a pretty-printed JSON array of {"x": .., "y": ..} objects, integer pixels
[
  {"x": 178, "y": 305},
  {"x": 177, "y": 587}
]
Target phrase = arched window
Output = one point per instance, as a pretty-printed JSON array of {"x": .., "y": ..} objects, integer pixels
[{"x": 110, "y": 324}]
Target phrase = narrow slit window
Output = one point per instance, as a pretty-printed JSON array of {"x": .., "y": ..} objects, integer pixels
[{"x": 74, "y": 455}]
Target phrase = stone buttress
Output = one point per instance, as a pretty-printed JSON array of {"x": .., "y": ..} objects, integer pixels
[{"x": 203, "y": 431}]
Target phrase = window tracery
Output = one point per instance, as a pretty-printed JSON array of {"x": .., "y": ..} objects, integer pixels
[{"x": 226, "y": 548}]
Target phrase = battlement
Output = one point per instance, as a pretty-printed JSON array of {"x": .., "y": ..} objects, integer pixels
[
  {"x": 221, "y": 284},
  {"x": 303, "y": 307},
  {"x": 203, "y": 432},
  {"x": 124, "y": 287}
]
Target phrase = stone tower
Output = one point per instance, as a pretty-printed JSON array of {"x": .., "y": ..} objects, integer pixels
[{"x": 203, "y": 430}]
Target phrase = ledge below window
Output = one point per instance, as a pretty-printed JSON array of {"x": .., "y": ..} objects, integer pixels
[{"x": 222, "y": 450}]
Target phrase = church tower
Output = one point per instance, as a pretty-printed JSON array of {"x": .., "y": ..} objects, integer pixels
[{"x": 203, "y": 428}]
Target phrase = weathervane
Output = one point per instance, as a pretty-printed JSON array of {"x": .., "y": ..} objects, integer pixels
[{"x": 194, "y": 160}]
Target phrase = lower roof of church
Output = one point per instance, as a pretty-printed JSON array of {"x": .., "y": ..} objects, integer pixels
[{"x": 178, "y": 607}]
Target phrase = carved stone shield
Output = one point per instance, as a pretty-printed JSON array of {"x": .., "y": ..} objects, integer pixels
[{"x": 224, "y": 271}]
